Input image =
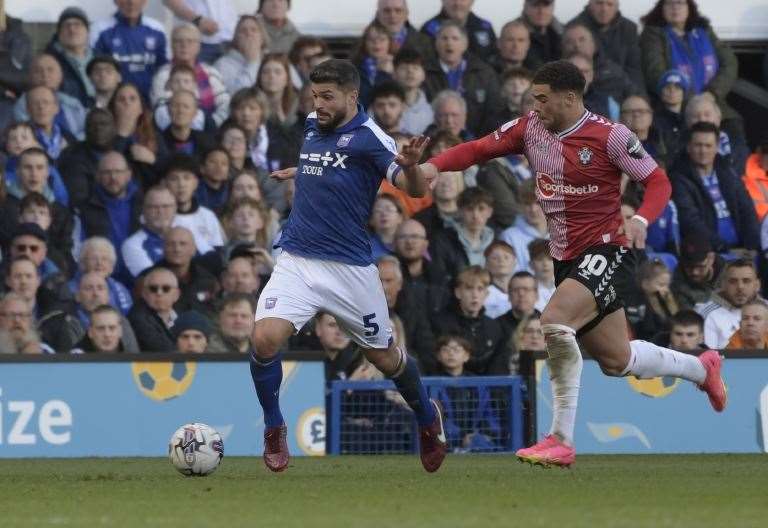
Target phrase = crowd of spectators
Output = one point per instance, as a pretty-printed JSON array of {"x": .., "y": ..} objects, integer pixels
[{"x": 138, "y": 214}]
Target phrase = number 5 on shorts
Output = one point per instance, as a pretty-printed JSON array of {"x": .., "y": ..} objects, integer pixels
[{"x": 371, "y": 328}]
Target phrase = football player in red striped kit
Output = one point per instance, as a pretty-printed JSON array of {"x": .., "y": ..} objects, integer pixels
[{"x": 578, "y": 158}]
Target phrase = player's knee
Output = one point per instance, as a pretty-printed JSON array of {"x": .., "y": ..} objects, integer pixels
[
  {"x": 612, "y": 366},
  {"x": 382, "y": 359},
  {"x": 265, "y": 342}
]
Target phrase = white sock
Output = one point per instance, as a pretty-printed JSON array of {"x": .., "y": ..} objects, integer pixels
[
  {"x": 649, "y": 361},
  {"x": 564, "y": 366}
]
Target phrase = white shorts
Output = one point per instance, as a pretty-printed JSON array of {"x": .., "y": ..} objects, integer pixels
[{"x": 300, "y": 287}]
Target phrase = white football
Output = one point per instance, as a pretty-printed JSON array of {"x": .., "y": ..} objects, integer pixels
[{"x": 196, "y": 449}]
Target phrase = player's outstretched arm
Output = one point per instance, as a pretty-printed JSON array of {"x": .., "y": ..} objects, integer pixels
[
  {"x": 284, "y": 174},
  {"x": 413, "y": 179}
]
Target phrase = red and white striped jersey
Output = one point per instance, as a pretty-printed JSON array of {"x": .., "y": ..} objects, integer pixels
[{"x": 578, "y": 174}]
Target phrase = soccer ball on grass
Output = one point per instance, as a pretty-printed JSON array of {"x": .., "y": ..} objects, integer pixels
[{"x": 196, "y": 449}]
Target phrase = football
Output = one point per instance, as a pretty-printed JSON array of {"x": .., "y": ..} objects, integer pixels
[{"x": 196, "y": 449}]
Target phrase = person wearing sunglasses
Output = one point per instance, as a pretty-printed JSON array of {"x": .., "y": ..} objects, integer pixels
[{"x": 153, "y": 315}]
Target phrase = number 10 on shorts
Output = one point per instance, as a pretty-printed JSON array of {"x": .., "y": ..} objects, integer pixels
[
  {"x": 594, "y": 264},
  {"x": 372, "y": 328}
]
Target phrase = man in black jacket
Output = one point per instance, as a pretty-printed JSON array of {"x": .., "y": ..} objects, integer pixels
[
  {"x": 546, "y": 30},
  {"x": 615, "y": 34},
  {"x": 153, "y": 315},
  {"x": 490, "y": 354},
  {"x": 71, "y": 49},
  {"x": 482, "y": 40},
  {"x": 393, "y": 15},
  {"x": 14, "y": 66},
  {"x": 710, "y": 196}
]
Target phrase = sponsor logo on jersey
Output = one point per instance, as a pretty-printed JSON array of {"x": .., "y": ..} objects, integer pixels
[
  {"x": 150, "y": 43},
  {"x": 483, "y": 38},
  {"x": 585, "y": 155},
  {"x": 335, "y": 158},
  {"x": 344, "y": 140},
  {"x": 547, "y": 188},
  {"x": 635, "y": 147}
]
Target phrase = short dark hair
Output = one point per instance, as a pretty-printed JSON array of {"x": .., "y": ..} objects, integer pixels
[
  {"x": 655, "y": 17},
  {"x": 34, "y": 199},
  {"x": 474, "y": 196},
  {"x": 687, "y": 318},
  {"x": 561, "y": 76},
  {"x": 522, "y": 275},
  {"x": 307, "y": 41},
  {"x": 703, "y": 127},
  {"x": 181, "y": 163},
  {"x": 539, "y": 248},
  {"x": 518, "y": 72},
  {"x": 105, "y": 308},
  {"x": 237, "y": 298},
  {"x": 388, "y": 89},
  {"x": 35, "y": 151},
  {"x": 336, "y": 71},
  {"x": 740, "y": 263},
  {"x": 443, "y": 340},
  {"x": 408, "y": 56}
]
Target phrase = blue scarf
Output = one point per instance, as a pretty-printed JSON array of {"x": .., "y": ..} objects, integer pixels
[
  {"x": 370, "y": 68},
  {"x": 52, "y": 145},
  {"x": 456, "y": 77},
  {"x": 695, "y": 57},
  {"x": 153, "y": 245}
]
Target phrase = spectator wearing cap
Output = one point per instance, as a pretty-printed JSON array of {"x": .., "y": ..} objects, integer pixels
[
  {"x": 215, "y": 19},
  {"x": 455, "y": 69},
  {"x": 70, "y": 46},
  {"x": 500, "y": 261},
  {"x": 710, "y": 196},
  {"x": 668, "y": 116},
  {"x": 14, "y": 65},
  {"x": 198, "y": 286},
  {"x": 114, "y": 206},
  {"x": 79, "y": 162},
  {"x": 409, "y": 72},
  {"x": 481, "y": 38},
  {"x": 698, "y": 272},
  {"x": 722, "y": 314},
  {"x": 144, "y": 247},
  {"x": 51, "y": 316},
  {"x": 181, "y": 178},
  {"x": 676, "y": 36},
  {"x": 755, "y": 179},
  {"x": 104, "y": 74},
  {"x": 191, "y": 331},
  {"x": 512, "y": 48},
  {"x": 92, "y": 294},
  {"x": 753, "y": 327},
  {"x": 393, "y": 15},
  {"x": 31, "y": 241},
  {"x": 153, "y": 315},
  {"x": 616, "y": 36},
  {"x": 135, "y": 40},
  {"x": 17, "y": 331},
  {"x": 281, "y": 31},
  {"x": 545, "y": 30},
  {"x": 235, "y": 325}
]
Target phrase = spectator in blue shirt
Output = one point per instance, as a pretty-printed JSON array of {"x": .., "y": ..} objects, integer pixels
[{"x": 136, "y": 41}]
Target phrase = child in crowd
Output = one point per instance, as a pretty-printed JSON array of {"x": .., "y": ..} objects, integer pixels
[
  {"x": 182, "y": 78},
  {"x": 470, "y": 421},
  {"x": 514, "y": 83},
  {"x": 181, "y": 178},
  {"x": 543, "y": 269},
  {"x": 500, "y": 261},
  {"x": 409, "y": 72}
]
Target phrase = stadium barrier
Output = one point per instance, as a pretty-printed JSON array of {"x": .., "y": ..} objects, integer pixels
[
  {"x": 121, "y": 405},
  {"x": 482, "y": 414}
]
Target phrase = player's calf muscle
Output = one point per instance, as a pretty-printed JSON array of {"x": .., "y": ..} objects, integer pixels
[{"x": 269, "y": 335}]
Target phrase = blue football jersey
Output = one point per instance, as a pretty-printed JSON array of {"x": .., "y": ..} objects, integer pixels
[{"x": 337, "y": 178}]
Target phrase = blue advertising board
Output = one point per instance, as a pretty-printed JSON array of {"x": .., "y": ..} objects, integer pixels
[
  {"x": 132, "y": 408},
  {"x": 664, "y": 415}
]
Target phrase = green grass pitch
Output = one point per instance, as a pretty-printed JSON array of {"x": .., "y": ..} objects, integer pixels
[{"x": 339, "y": 492}]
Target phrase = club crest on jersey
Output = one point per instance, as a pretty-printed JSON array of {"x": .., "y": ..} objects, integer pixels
[
  {"x": 585, "y": 155},
  {"x": 344, "y": 140},
  {"x": 270, "y": 303}
]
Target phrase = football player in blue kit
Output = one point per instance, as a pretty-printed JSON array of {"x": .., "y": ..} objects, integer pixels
[{"x": 326, "y": 264}]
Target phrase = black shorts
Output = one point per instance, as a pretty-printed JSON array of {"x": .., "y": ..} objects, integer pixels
[{"x": 604, "y": 270}]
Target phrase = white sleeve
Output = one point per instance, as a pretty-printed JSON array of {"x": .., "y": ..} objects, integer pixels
[{"x": 135, "y": 258}]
